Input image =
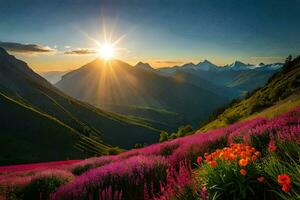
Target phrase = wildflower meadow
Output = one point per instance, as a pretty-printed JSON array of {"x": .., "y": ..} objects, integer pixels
[{"x": 255, "y": 159}]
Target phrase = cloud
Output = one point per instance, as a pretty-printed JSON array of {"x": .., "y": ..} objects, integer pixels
[
  {"x": 267, "y": 59},
  {"x": 81, "y": 51},
  {"x": 169, "y": 61},
  {"x": 25, "y": 48}
]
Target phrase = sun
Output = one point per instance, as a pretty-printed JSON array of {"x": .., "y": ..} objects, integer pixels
[{"x": 106, "y": 51}]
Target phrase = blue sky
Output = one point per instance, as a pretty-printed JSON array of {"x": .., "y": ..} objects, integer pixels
[{"x": 159, "y": 32}]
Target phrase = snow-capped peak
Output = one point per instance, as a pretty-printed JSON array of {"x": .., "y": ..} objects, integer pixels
[{"x": 206, "y": 65}]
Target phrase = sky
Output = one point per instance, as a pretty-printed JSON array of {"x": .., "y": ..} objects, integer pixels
[{"x": 64, "y": 34}]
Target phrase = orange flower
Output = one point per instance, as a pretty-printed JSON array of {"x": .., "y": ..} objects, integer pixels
[
  {"x": 208, "y": 157},
  {"x": 243, "y": 162},
  {"x": 254, "y": 157},
  {"x": 199, "y": 160},
  {"x": 283, "y": 179},
  {"x": 243, "y": 172},
  {"x": 261, "y": 179},
  {"x": 213, "y": 163},
  {"x": 286, "y": 187},
  {"x": 232, "y": 156},
  {"x": 243, "y": 154}
]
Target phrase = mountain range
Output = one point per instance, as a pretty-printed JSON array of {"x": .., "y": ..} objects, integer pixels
[
  {"x": 238, "y": 76},
  {"x": 117, "y": 86},
  {"x": 179, "y": 93},
  {"x": 47, "y": 124}
]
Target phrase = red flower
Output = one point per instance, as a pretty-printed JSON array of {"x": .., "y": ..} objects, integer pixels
[
  {"x": 286, "y": 187},
  {"x": 213, "y": 163},
  {"x": 261, "y": 179},
  {"x": 199, "y": 160},
  {"x": 243, "y": 172},
  {"x": 283, "y": 179}
]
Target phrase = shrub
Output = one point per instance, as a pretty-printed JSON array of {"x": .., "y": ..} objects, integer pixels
[
  {"x": 114, "y": 151},
  {"x": 163, "y": 136},
  {"x": 231, "y": 173},
  {"x": 41, "y": 185},
  {"x": 260, "y": 141}
]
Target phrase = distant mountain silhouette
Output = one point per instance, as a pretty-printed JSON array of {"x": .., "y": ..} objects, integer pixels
[
  {"x": 116, "y": 86},
  {"x": 237, "y": 76},
  {"x": 40, "y": 123}
]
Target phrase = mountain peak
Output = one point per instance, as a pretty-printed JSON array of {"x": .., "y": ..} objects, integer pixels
[
  {"x": 237, "y": 62},
  {"x": 206, "y": 61},
  {"x": 206, "y": 65},
  {"x": 144, "y": 65}
]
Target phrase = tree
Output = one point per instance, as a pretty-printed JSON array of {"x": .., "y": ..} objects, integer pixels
[
  {"x": 163, "y": 136},
  {"x": 288, "y": 59},
  {"x": 288, "y": 64},
  {"x": 184, "y": 130}
]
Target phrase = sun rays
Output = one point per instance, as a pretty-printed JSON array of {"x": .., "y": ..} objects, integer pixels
[
  {"x": 106, "y": 51},
  {"x": 112, "y": 82}
]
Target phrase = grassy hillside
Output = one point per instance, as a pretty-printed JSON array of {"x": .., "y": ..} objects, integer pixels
[
  {"x": 280, "y": 94},
  {"x": 22, "y": 140},
  {"x": 158, "y": 118},
  {"x": 84, "y": 125}
]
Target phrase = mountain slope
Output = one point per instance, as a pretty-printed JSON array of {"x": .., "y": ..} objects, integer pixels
[
  {"x": 280, "y": 93},
  {"x": 83, "y": 124},
  {"x": 114, "y": 84}
]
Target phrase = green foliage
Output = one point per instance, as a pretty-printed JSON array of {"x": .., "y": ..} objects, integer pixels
[
  {"x": 168, "y": 149},
  {"x": 39, "y": 188},
  {"x": 139, "y": 145},
  {"x": 114, "y": 151},
  {"x": 181, "y": 132},
  {"x": 220, "y": 143},
  {"x": 225, "y": 182},
  {"x": 230, "y": 119},
  {"x": 78, "y": 170},
  {"x": 260, "y": 142},
  {"x": 42, "y": 187},
  {"x": 188, "y": 192},
  {"x": 285, "y": 160},
  {"x": 184, "y": 130},
  {"x": 164, "y": 136}
]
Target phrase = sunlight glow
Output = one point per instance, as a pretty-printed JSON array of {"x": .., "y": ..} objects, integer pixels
[{"x": 106, "y": 51}]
